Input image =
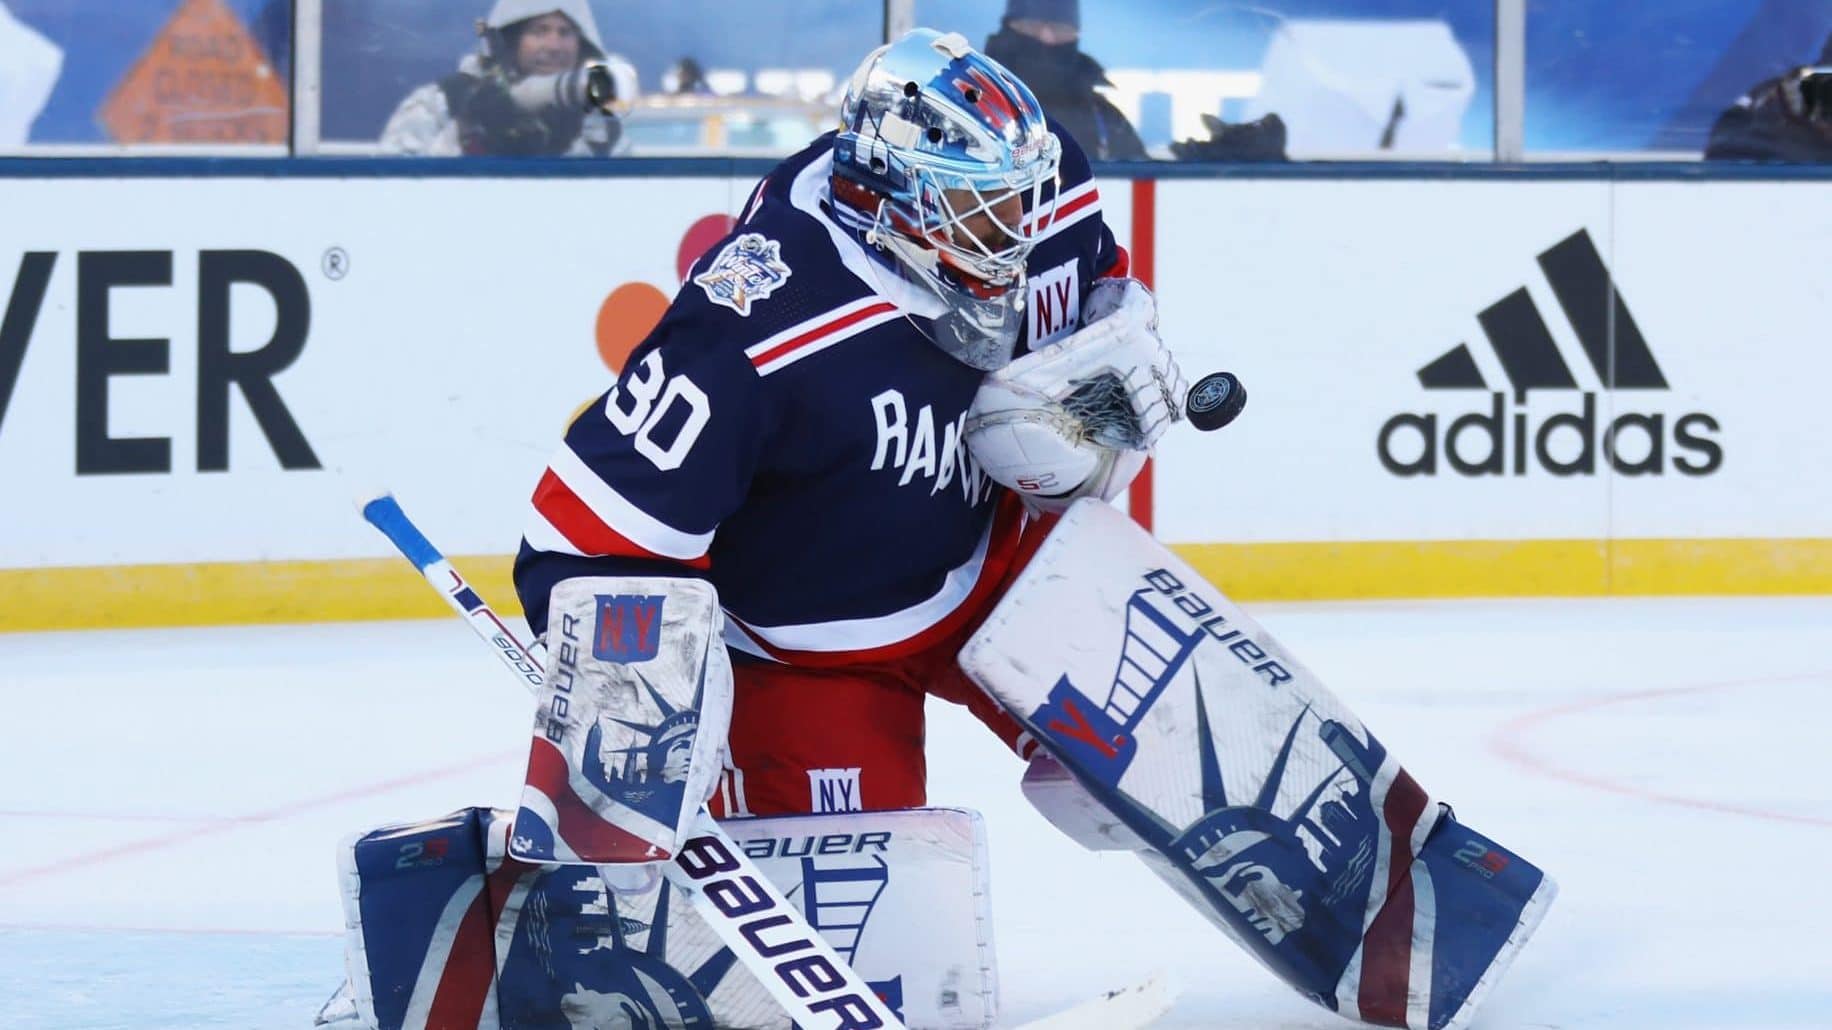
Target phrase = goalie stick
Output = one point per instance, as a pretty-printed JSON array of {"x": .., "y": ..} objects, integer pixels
[{"x": 772, "y": 940}]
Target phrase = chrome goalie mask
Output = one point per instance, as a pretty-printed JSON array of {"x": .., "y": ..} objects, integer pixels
[{"x": 944, "y": 162}]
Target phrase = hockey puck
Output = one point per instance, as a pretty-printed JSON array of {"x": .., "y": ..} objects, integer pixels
[{"x": 1215, "y": 401}]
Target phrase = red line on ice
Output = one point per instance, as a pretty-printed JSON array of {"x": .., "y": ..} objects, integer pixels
[
  {"x": 107, "y": 817},
  {"x": 197, "y": 931},
  {"x": 225, "y": 824},
  {"x": 1508, "y": 741}
]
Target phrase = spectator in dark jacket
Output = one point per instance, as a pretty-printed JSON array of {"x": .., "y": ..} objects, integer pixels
[
  {"x": 1039, "y": 40},
  {"x": 1786, "y": 118}
]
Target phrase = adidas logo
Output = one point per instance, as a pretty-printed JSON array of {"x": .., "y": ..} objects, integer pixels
[{"x": 1507, "y": 438}]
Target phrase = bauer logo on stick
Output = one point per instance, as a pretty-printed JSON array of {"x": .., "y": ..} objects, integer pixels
[{"x": 629, "y": 628}]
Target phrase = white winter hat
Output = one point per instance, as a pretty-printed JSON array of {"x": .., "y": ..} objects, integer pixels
[{"x": 508, "y": 12}]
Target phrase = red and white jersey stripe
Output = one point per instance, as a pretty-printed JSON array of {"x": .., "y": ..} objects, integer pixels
[
  {"x": 576, "y": 512},
  {"x": 1077, "y": 204},
  {"x": 964, "y": 595},
  {"x": 805, "y": 339}
]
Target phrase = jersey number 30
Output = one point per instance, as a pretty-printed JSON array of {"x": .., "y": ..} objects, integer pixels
[{"x": 641, "y": 404}]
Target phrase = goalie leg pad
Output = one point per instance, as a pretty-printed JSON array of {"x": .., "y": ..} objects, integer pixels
[
  {"x": 632, "y": 717},
  {"x": 445, "y": 930},
  {"x": 901, "y": 895},
  {"x": 1259, "y": 795},
  {"x": 1054, "y": 792}
]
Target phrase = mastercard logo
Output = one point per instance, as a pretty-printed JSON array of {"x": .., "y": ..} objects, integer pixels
[{"x": 633, "y": 310}]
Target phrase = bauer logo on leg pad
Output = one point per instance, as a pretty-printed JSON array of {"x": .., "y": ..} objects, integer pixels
[{"x": 629, "y": 628}]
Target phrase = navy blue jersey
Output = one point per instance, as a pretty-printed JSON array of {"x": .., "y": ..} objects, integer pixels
[{"x": 788, "y": 433}]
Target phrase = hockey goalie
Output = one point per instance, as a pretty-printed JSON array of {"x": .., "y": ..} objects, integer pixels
[{"x": 863, "y": 460}]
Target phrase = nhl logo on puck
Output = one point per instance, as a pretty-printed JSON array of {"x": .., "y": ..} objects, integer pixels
[{"x": 1210, "y": 394}]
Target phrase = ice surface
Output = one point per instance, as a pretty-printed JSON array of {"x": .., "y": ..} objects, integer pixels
[{"x": 173, "y": 800}]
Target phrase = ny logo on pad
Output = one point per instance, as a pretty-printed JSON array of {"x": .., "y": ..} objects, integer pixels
[{"x": 629, "y": 628}]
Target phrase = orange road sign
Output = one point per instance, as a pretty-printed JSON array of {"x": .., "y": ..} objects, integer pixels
[{"x": 204, "y": 79}]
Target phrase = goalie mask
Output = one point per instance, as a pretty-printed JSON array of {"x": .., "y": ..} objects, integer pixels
[{"x": 945, "y": 165}]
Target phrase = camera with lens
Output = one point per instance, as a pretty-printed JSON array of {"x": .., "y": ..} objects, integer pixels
[
  {"x": 589, "y": 87},
  {"x": 502, "y": 113},
  {"x": 1807, "y": 92}
]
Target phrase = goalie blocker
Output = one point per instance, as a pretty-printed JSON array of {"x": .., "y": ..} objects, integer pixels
[{"x": 1245, "y": 784}]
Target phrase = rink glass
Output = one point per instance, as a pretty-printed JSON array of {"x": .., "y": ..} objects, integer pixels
[{"x": 1627, "y": 81}]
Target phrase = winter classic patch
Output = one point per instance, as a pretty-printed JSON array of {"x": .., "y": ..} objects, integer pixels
[{"x": 749, "y": 269}]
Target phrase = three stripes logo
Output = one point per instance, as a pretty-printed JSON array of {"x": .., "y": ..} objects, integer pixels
[{"x": 1502, "y": 440}]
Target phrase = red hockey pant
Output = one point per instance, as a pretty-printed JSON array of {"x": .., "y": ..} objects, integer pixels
[{"x": 846, "y": 738}]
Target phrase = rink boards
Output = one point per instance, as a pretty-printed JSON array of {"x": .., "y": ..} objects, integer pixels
[{"x": 1461, "y": 385}]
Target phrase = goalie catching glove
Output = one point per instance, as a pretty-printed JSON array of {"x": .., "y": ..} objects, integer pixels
[{"x": 1079, "y": 417}]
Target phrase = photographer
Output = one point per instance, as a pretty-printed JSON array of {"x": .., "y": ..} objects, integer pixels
[
  {"x": 540, "y": 84},
  {"x": 1040, "y": 41},
  {"x": 1787, "y": 118}
]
